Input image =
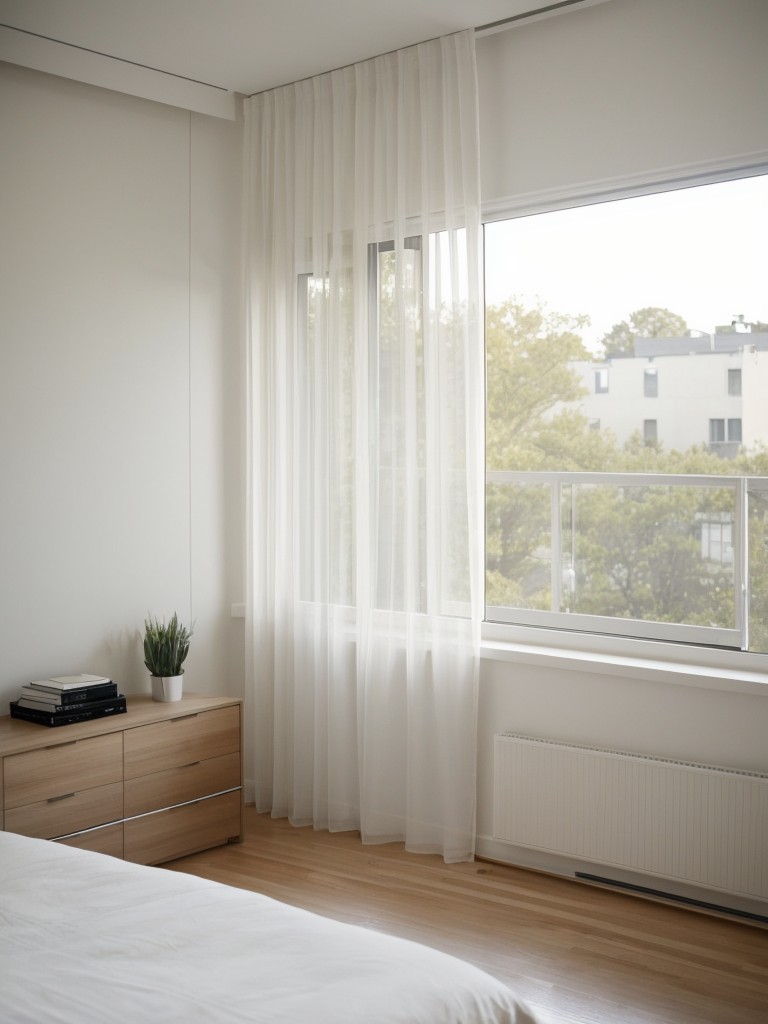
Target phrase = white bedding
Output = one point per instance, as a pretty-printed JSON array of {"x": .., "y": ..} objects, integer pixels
[{"x": 88, "y": 938}]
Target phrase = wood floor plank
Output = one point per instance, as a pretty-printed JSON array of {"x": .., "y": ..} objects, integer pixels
[{"x": 577, "y": 953}]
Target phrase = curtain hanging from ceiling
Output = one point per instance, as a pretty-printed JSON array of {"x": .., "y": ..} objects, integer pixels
[{"x": 365, "y": 409}]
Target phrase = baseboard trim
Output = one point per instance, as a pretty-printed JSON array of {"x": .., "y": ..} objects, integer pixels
[{"x": 749, "y": 910}]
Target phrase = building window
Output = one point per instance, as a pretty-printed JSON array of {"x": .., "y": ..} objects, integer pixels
[
  {"x": 651, "y": 382},
  {"x": 603, "y": 530},
  {"x": 722, "y": 431},
  {"x": 717, "y": 541},
  {"x": 717, "y": 431}
]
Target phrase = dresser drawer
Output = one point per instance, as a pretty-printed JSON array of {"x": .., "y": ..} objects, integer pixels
[
  {"x": 99, "y": 840},
  {"x": 183, "y": 830},
  {"x": 65, "y": 768},
  {"x": 59, "y": 816},
  {"x": 178, "y": 766},
  {"x": 177, "y": 785},
  {"x": 181, "y": 741}
]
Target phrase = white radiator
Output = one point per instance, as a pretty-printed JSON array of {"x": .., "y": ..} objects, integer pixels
[{"x": 691, "y": 823}]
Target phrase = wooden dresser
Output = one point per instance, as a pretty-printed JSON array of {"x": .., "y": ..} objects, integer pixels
[{"x": 158, "y": 782}]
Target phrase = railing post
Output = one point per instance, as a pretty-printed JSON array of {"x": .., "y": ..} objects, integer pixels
[
  {"x": 556, "y": 544},
  {"x": 741, "y": 561}
]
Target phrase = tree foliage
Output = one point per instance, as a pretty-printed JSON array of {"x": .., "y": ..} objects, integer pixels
[
  {"x": 527, "y": 353},
  {"x": 650, "y": 322}
]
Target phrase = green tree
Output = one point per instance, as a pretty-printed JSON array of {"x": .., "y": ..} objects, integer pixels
[
  {"x": 528, "y": 352},
  {"x": 638, "y": 556},
  {"x": 650, "y": 322}
]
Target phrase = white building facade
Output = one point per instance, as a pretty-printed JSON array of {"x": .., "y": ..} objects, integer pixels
[{"x": 683, "y": 392}]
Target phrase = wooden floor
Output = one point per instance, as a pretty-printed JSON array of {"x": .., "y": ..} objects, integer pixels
[{"x": 576, "y": 953}]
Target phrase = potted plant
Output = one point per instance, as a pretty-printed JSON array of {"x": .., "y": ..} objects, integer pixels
[{"x": 166, "y": 645}]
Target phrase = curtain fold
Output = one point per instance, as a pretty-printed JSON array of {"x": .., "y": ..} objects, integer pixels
[{"x": 365, "y": 428}]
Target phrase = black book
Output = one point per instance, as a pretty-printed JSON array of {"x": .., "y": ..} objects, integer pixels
[
  {"x": 34, "y": 704},
  {"x": 96, "y": 709},
  {"x": 59, "y": 698}
]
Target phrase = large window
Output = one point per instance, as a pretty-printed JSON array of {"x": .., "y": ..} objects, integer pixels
[{"x": 648, "y": 527}]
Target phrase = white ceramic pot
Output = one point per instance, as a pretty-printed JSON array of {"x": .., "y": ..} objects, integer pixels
[{"x": 166, "y": 688}]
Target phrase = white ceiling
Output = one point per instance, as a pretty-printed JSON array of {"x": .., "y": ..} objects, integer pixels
[{"x": 246, "y": 46}]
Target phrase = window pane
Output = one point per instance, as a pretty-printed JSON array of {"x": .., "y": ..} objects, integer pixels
[
  {"x": 327, "y": 565},
  {"x": 717, "y": 538},
  {"x": 716, "y": 431},
  {"x": 397, "y": 362},
  {"x": 519, "y": 545},
  {"x": 575, "y": 298}
]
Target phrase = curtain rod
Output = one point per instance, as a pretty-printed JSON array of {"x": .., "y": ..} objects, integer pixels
[{"x": 533, "y": 15}]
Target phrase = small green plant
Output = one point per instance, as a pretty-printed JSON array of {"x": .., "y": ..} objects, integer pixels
[{"x": 166, "y": 645}]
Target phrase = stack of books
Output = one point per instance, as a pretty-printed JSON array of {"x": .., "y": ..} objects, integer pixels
[{"x": 63, "y": 700}]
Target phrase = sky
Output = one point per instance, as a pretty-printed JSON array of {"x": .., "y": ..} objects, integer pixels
[{"x": 700, "y": 252}]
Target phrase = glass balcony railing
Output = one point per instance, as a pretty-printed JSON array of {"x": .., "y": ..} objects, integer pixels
[{"x": 681, "y": 558}]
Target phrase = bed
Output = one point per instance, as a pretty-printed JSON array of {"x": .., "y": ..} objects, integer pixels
[{"x": 89, "y": 938}]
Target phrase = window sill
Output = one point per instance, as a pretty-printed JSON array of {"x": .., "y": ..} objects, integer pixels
[{"x": 665, "y": 663}]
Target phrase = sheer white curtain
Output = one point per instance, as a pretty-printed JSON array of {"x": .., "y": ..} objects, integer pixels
[{"x": 365, "y": 481}]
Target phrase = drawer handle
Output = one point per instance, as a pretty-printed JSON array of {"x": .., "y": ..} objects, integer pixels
[
  {"x": 184, "y": 718},
  {"x": 192, "y": 764},
  {"x": 55, "y": 799},
  {"x": 58, "y": 746}
]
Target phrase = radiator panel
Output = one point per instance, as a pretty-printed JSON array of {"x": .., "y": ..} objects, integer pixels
[{"x": 696, "y": 824}]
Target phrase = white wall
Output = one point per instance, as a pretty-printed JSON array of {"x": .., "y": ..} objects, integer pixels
[
  {"x": 119, "y": 413},
  {"x": 216, "y": 664},
  {"x": 625, "y": 89}
]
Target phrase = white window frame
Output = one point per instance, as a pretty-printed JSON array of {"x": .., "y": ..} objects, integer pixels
[{"x": 610, "y": 653}]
